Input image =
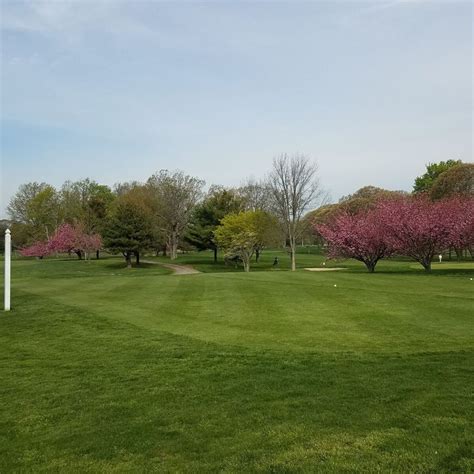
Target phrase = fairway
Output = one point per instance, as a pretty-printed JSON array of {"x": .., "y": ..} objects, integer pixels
[{"x": 106, "y": 369}]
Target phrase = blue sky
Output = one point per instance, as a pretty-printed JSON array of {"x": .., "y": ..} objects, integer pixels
[{"x": 118, "y": 90}]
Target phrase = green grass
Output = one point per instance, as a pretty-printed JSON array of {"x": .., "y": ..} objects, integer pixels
[
  {"x": 105, "y": 369},
  {"x": 309, "y": 256}
]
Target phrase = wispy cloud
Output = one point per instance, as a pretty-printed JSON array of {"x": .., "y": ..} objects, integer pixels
[
  {"x": 387, "y": 4},
  {"x": 205, "y": 85}
]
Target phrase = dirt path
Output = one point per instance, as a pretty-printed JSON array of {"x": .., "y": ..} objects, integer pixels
[{"x": 177, "y": 269}]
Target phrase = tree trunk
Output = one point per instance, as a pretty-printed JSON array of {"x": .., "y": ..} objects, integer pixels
[
  {"x": 174, "y": 246},
  {"x": 79, "y": 254},
  {"x": 137, "y": 258},
  {"x": 293, "y": 253},
  {"x": 257, "y": 255},
  {"x": 246, "y": 265},
  {"x": 97, "y": 254},
  {"x": 426, "y": 265},
  {"x": 128, "y": 259},
  {"x": 173, "y": 253},
  {"x": 215, "y": 254},
  {"x": 370, "y": 266}
]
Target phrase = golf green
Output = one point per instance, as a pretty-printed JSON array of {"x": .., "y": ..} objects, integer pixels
[{"x": 108, "y": 369}]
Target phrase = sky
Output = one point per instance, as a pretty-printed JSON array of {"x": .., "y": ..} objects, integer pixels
[{"x": 117, "y": 90}]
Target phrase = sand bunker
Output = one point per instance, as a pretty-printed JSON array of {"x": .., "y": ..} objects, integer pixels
[{"x": 333, "y": 269}]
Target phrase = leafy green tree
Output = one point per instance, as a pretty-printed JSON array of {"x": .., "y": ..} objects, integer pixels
[
  {"x": 85, "y": 202},
  {"x": 22, "y": 235},
  {"x": 175, "y": 196},
  {"x": 457, "y": 180},
  {"x": 129, "y": 228},
  {"x": 365, "y": 199},
  {"x": 208, "y": 214},
  {"x": 18, "y": 207},
  {"x": 270, "y": 232},
  {"x": 43, "y": 210},
  {"x": 424, "y": 182},
  {"x": 320, "y": 216},
  {"x": 36, "y": 205},
  {"x": 240, "y": 234}
]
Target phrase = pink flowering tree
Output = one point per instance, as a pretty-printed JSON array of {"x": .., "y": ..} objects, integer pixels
[
  {"x": 65, "y": 239},
  {"x": 69, "y": 238},
  {"x": 89, "y": 243},
  {"x": 417, "y": 227},
  {"x": 460, "y": 210},
  {"x": 360, "y": 236},
  {"x": 38, "y": 249}
]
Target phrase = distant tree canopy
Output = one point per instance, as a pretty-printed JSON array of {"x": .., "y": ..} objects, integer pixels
[
  {"x": 175, "y": 196},
  {"x": 208, "y": 214},
  {"x": 256, "y": 195},
  {"x": 170, "y": 211},
  {"x": 37, "y": 209},
  {"x": 425, "y": 182},
  {"x": 457, "y": 180},
  {"x": 365, "y": 198},
  {"x": 86, "y": 202},
  {"x": 37, "y": 206},
  {"x": 362, "y": 200}
]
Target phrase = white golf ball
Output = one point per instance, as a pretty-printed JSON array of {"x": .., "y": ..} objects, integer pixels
[{"x": 335, "y": 286}]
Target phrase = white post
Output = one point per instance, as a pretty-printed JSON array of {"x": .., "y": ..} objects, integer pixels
[{"x": 8, "y": 246}]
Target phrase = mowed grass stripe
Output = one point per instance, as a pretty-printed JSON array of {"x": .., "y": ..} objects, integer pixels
[
  {"x": 300, "y": 311},
  {"x": 105, "y": 369},
  {"x": 88, "y": 393}
]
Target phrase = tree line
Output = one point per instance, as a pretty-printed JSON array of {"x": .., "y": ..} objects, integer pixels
[
  {"x": 170, "y": 211},
  {"x": 374, "y": 223},
  {"x": 167, "y": 212}
]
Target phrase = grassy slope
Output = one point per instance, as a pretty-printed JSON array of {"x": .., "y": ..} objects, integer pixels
[{"x": 108, "y": 369}]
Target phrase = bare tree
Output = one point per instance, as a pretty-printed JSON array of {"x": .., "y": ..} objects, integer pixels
[
  {"x": 174, "y": 195},
  {"x": 295, "y": 188},
  {"x": 256, "y": 195}
]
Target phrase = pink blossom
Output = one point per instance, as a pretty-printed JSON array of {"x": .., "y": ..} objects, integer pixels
[
  {"x": 38, "y": 249},
  {"x": 461, "y": 215},
  {"x": 419, "y": 228},
  {"x": 360, "y": 236},
  {"x": 69, "y": 238}
]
